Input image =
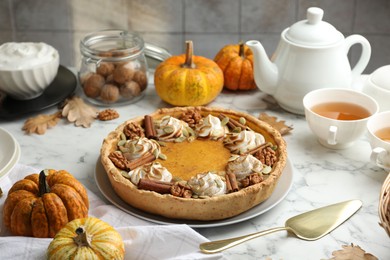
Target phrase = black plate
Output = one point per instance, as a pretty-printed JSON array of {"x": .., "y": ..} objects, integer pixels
[{"x": 63, "y": 85}]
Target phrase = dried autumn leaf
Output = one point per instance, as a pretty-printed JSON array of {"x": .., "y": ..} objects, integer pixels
[
  {"x": 41, "y": 123},
  {"x": 352, "y": 252},
  {"x": 77, "y": 111},
  {"x": 278, "y": 125}
]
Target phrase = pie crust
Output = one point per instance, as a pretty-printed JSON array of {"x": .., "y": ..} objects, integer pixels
[{"x": 211, "y": 208}]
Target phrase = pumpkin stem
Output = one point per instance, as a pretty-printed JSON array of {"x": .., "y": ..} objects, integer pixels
[
  {"x": 241, "y": 50},
  {"x": 189, "y": 53},
  {"x": 82, "y": 238},
  {"x": 42, "y": 185}
]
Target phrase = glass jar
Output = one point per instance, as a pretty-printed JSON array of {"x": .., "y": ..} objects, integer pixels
[{"x": 113, "y": 67}]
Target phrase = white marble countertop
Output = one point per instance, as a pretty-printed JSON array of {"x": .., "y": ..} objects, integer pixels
[{"x": 321, "y": 177}]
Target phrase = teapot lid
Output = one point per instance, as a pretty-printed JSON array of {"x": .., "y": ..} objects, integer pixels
[{"x": 313, "y": 31}]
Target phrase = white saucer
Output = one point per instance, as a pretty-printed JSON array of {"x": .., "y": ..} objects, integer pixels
[
  {"x": 281, "y": 190},
  {"x": 9, "y": 152}
]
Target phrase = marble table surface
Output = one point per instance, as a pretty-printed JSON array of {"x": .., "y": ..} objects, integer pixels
[{"x": 320, "y": 177}]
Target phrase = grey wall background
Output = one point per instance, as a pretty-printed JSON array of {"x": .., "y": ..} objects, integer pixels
[{"x": 211, "y": 24}]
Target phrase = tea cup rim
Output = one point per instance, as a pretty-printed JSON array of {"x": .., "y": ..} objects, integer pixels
[{"x": 306, "y": 97}]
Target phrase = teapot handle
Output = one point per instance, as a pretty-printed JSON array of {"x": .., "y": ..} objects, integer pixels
[{"x": 365, "y": 55}]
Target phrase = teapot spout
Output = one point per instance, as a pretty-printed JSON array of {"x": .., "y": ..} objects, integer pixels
[{"x": 265, "y": 72}]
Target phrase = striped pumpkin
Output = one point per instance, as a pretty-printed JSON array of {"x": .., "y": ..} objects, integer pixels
[{"x": 86, "y": 238}]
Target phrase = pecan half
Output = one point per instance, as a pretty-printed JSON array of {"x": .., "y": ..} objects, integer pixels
[
  {"x": 118, "y": 160},
  {"x": 251, "y": 179},
  {"x": 267, "y": 156},
  {"x": 108, "y": 114},
  {"x": 133, "y": 130},
  {"x": 191, "y": 117}
]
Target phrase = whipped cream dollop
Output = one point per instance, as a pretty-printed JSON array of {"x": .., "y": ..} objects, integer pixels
[
  {"x": 153, "y": 171},
  {"x": 211, "y": 127},
  {"x": 207, "y": 184},
  {"x": 242, "y": 142},
  {"x": 135, "y": 148},
  {"x": 170, "y": 128},
  {"x": 25, "y": 55},
  {"x": 244, "y": 165}
]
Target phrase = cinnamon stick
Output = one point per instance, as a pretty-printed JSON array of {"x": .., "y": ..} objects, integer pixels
[
  {"x": 157, "y": 186},
  {"x": 231, "y": 182},
  {"x": 258, "y": 148},
  {"x": 146, "y": 158},
  {"x": 150, "y": 130},
  {"x": 232, "y": 124}
]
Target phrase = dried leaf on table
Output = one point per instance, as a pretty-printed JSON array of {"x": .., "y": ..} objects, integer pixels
[
  {"x": 41, "y": 123},
  {"x": 273, "y": 121},
  {"x": 352, "y": 252},
  {"x": 77, "y": 111}
]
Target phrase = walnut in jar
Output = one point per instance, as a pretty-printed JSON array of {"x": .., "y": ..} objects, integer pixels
[
  {"x": 93, "y": 85},
  {"x": 109, "y": 93},
  {"x": 130, "y": 89},
  {"x": 123, "y": 73},
  {"x": 105, "y": 68}
]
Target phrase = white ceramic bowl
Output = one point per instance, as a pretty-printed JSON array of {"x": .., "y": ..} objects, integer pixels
[{"x": 27, "y": 82}]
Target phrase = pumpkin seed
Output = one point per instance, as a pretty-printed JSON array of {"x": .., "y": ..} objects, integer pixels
[
  {"x": 155, "y": 153},
  {"x": 186, "y": 133},
  {"x": 165, "y": 117},
  {"x": 237, "y": 129},
  {"x": 123, "y": 136},
  {"x": 180, "y": 139},
  {"x": 225, "y": 120},
  {"x": 195, "y": 196},
  {"x": 125, "y": 174},
  {"x": 124, "y": 149},
  {"x": 161, "y": 143},
  {"x": 176, "y": 179},
  {"x": 191, "y": 138},
  {"x": 162, "y": 156},
  {"x": 168, "y": 129},
  {"x": 121, "y": 142},
  {"x": 267, "y": 169},
  {"x": 242, "y": 120}
]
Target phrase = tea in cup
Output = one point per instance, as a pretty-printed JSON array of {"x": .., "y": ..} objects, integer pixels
[
  {"x": 338, "y": 117},
  {"x": 378, "y": 86},
  {"x": 378, "y": 128}
]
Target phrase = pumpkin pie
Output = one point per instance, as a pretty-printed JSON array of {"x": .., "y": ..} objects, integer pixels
[{"x": 195, "y": 163}]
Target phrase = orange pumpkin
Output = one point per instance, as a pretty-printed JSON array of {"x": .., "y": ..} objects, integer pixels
[
  {"x": 188, "y": 80},
  {"x": 236, "y": 62},
  {"x": 40, "y": 205}
]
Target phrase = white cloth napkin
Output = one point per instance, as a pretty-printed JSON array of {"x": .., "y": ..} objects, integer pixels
[{"x": 143, "y": 240}]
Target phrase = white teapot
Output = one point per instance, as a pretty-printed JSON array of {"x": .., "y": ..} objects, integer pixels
[{"x": 311, "y": 54}]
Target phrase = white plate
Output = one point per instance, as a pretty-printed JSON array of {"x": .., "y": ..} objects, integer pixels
[
  {"x": 281, "y": 190},
  {"x": 9, "y": 152}
]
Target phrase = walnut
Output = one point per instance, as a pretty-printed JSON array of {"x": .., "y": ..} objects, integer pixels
[
  {"x": 133, "y": 130},
  {"x": 108, "y": 114},
  {"x": 141, "y": 78},
  {"x": 130, "y": 89},
  {"x": 123, "y": 73},
  {"x": 251, "y": 179},
  {"x": 180, "y": 190},
  {"x": 109, "y": 93},
  {"x": 267, "y": 156},
  {"x": 105, "y": 69},
  {"x": 118, "y": 160},
  {"x": 93, "y": 85},
  {"x": 191, "y": 117}
]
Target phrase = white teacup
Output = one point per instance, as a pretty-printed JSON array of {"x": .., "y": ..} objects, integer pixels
[
  {"x": 377, "y": 86},
  {"x": 331, "y": 130},
  {"x": 380, "y": 149}
]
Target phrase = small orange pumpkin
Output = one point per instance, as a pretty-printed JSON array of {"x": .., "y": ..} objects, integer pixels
[
  {"x": 188, "y": 80},
  {"x": 236, "y": 62},
  {"x": 41, "y": 204}
]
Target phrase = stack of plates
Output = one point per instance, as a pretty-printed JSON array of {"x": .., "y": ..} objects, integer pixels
[{"x": 9, "y": 152}]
